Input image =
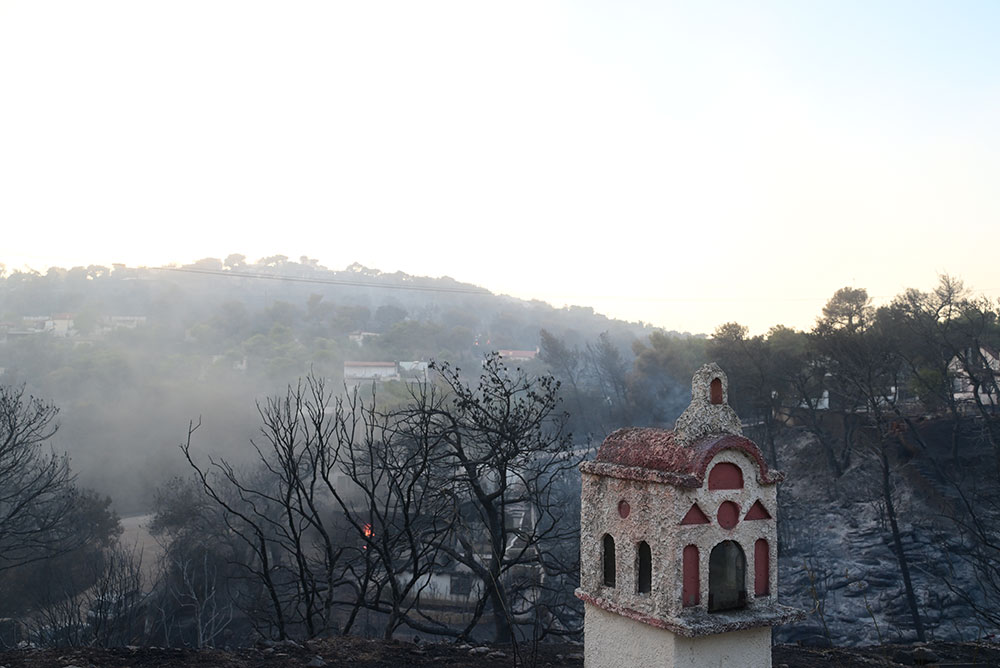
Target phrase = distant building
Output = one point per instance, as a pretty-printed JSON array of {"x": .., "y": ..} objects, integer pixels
[
  {"x": 31, "y": 325},
  {"x": 413, "y": 371},
  {"x": 360, "y": 338},
  {"x": 123, "y": 321},
  {"x": 456, "y": 586},
  {"x": 380, "y": 372},
  {"x": 820, "y": 403},
  {"x": 359, "y": 372},
  {"x": 61, "y": 325},
  {"x": 984, "y": 379},
  {"x": 518, "y": 355},
  {"x": 236, "y": 363}
]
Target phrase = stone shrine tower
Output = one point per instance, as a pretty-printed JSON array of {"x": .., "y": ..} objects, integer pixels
[{"x": 678, "y": 543}]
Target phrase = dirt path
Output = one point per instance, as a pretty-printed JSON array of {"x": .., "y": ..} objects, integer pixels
[{"x": 136, "y": 533}]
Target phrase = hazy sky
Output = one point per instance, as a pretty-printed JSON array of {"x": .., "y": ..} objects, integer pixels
[{"x": 685, "y": 164}]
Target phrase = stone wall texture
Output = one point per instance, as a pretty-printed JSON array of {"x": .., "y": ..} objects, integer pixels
[
  {"x": 703, "y": 417},
  {"x": 656, "y": 511}
]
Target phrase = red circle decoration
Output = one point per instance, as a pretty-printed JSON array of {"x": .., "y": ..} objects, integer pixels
[
  {"x": 729, "y": 515},
  {"x": 624, "y": 509}
]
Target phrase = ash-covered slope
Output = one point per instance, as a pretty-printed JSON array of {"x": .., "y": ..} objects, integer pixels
[{"x": 837, "y": 556}]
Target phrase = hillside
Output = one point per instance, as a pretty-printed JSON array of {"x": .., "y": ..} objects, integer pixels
[
  {"x": 131, "y": 355},
  {"x": 837, "y": 554},
  {"x": 883, "y": 419}
]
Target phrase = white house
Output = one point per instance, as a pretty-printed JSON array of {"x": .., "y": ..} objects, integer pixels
[
  {"x": 985, "y": 364},
  {"x": 358, "y": 372}
]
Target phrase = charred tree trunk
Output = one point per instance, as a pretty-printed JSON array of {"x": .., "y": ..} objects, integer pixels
[{"x": 897, "y": 541}]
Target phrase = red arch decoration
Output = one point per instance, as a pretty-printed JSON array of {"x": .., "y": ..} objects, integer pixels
[
  {"x": 715, "y": 391},
  {"x": 725, "y": 475},
  {"x": 692, "y": 578},
  {"x": 761, "y": 568}
]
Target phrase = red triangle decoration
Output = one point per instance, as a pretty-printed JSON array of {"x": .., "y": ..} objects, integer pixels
[
  {"x": 757, "y": 512},
  {"x": 695, "y": 516}
]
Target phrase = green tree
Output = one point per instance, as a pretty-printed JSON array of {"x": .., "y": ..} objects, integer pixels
[
  {"x": 660, "y": 381},
  {"x": 567, "y": 365},
  {"x": 388, "y": 315},
  {"x": 849, "y": 309},
  {"x": 753, "y": 380}
]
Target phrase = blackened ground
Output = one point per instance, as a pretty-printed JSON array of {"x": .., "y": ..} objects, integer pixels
[
  {"x": 346, "y": 652},
  {"x": 362, "y": 653},
  {"x": 952, "y": 655}
]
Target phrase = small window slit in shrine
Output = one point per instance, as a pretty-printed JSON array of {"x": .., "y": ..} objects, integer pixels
[
  {"x": 609, "y": 561},
  {"x": 716, "y": 391},
  {"x": 644, "y": 579}
]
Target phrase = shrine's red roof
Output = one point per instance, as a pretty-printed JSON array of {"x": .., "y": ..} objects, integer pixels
[{"x": 660, "y": 450}]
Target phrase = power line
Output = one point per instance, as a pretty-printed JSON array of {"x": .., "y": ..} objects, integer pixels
[{"x": 325, "y": 281}]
